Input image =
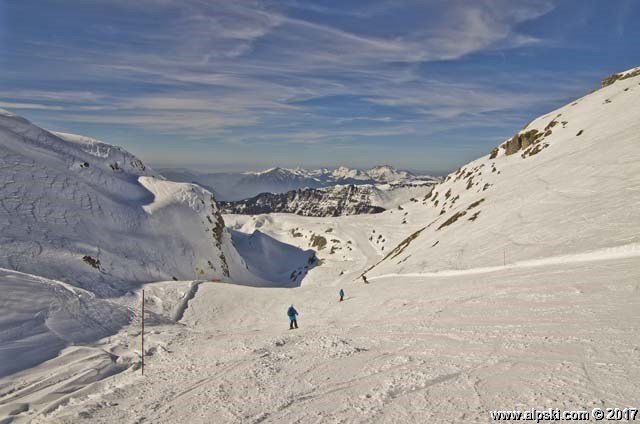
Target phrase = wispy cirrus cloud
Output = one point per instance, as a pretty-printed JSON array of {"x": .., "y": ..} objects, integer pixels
[
  {"x": 30, "y": 106},
  {"x": 250, "y": 71}
]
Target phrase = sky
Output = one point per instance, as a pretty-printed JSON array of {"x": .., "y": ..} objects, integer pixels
[{"x": 223, "y": 85}]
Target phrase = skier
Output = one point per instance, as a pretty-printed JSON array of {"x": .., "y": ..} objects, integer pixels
[
  {"x": 364, "y": 278},
  {"x": 341, "y": 293},
  {"x": 293, "y": 314}
]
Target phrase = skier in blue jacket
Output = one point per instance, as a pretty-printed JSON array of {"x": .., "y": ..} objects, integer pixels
[
  {"x": 341, "y": 294},
  {"x": 293, "y": 315}
]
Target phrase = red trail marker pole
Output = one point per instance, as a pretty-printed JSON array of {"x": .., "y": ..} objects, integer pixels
[{"x": 142, "y": 332}]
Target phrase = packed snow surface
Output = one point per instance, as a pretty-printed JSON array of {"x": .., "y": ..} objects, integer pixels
[{"x": 420, "y": 349}]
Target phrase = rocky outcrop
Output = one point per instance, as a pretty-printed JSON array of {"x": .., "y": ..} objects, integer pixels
[
  {"x": 521, "y": 141},
  {"x": 331, "y": 201},
  {"x": 615, "y": 77}
]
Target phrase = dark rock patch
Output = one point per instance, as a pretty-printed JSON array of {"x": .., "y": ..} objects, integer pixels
[
  {"x": 616, "y": 77},
  {"x": 474, "y": 216},
  {"x": 92, "y": 261},
  {"x": 452, "y": 219},
  {"x": 318, "y": 241},
  {"x": 476, "y": 203},
  {"x": 522, "y": 141}
]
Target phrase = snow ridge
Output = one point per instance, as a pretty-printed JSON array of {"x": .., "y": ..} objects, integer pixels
[{"x": 79, "y": 210}]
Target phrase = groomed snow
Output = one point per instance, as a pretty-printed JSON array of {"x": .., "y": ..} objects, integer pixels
[{"x": 421, "y": 349}]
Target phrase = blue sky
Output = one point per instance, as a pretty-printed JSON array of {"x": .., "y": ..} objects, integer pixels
[{"x": 235, "y": 85}]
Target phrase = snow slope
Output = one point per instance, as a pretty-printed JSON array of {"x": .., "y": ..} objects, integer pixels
[
  {"x": 283, "y": 264},
  {"x": 82, "y": 328},
  {"x": 40, "y": 317},
  {"x": 565, "y": 184},
  {"x": 81, "y": 222},
  {"x": 345, "y": 246},
  {"x": 431, "y": 349},
  {"x": 81, "y": 211}
]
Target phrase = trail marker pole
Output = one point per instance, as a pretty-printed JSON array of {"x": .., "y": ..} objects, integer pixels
[
  {"x": 142, "y": 332},
  {"x": 504, "y": 257}
]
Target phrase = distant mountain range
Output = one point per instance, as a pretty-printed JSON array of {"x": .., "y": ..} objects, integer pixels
[{"x": 238, "y": 186}]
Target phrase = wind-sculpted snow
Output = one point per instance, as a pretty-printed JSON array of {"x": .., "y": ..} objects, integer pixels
[
  {"x": 40, "y": 317},
  {"x": 82, "y": 211},
  {"x": 82, "y": 225}
]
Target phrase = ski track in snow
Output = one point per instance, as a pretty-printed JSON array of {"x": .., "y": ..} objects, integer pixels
[
  {"x": 619, "y": 252},
  {"x": 184, "y": 302}
]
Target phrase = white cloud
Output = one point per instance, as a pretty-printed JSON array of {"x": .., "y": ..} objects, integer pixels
[
  {"x": 32, "y": 106},
  {"x": 217, "y": 65},
  {"x": 62, "y": 96}
]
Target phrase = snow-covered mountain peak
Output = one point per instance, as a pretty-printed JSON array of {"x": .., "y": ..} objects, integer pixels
[
  {"x": 336, "y": 200},
  {"x": 379, "y": 174},
  {"x": 343, "y": 172},
  {"x": 265, "y": 172},
  {"x": 280, "y": 173},
  {"x": 387, "y": 173},
  {"x": 115, "y": 157}
]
